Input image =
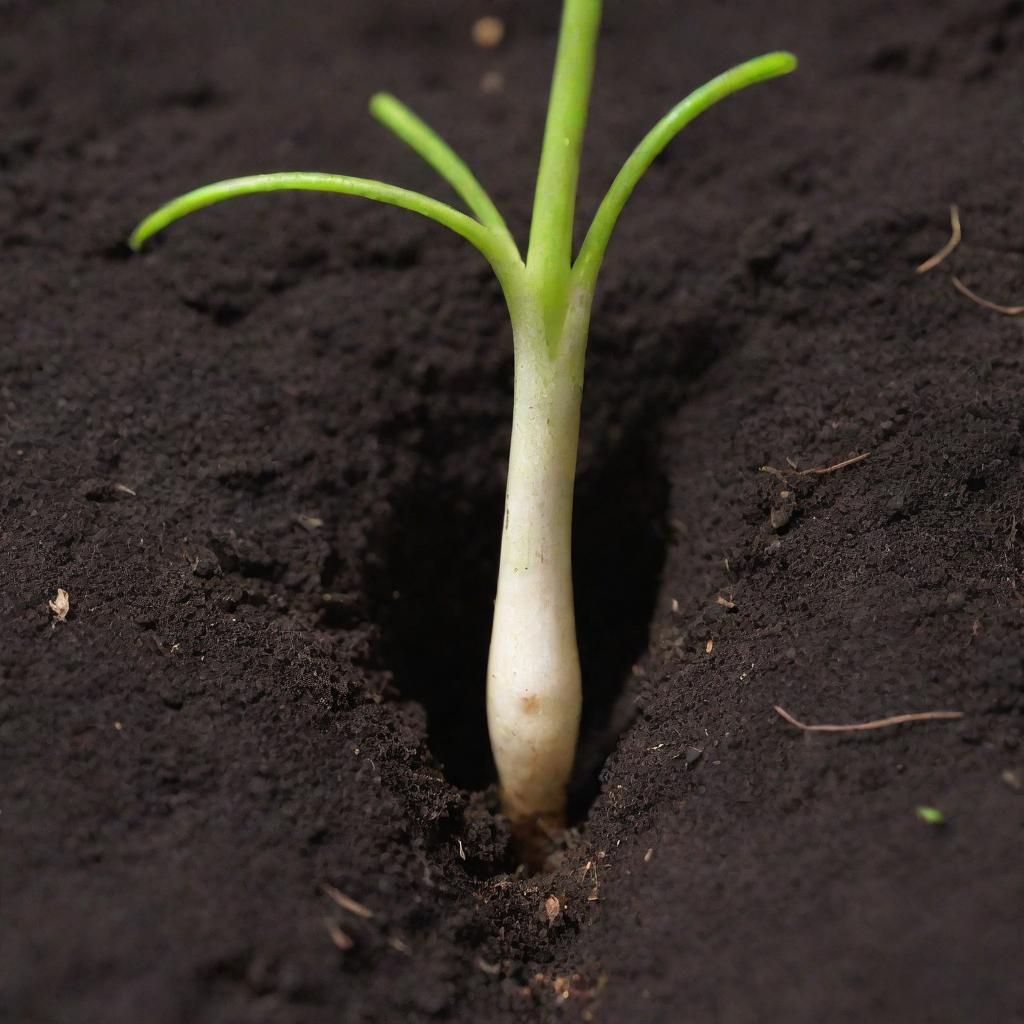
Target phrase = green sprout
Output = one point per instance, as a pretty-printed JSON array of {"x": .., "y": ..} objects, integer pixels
[
  {"x": 931, "y": 815},
  {"x": 533, "y": 674}
]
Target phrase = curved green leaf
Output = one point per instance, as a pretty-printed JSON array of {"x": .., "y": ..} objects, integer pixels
[
  {"x": 483, "y": 238},
  {"x": 760, "y": 69},
  {"x": 420, "y": 137}
]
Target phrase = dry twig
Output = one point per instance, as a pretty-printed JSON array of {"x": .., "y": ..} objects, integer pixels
[
  {"x": 822, "y": 470},
  {"x": 954, "y": 240},
  {"x": 880, "y": 723},
  {"x": 782, "y": 474}
]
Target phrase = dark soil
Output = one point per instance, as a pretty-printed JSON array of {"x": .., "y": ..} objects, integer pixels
[{"x": 265, "y": 459}]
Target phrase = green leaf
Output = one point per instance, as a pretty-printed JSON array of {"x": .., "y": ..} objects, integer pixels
[
  {"x": 483, "y": 238},
  {"x": 760, "y": 69},
  {"x": 420, "y": 137}
]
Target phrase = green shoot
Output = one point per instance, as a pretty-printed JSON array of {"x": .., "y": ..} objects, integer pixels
[
  {"x": 554, "y": 205},
  {"x": 533, "y": 675}
]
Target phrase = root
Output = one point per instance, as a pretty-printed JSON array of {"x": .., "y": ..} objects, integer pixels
[
  {"x": 879, "y": 723},
  {"x": 954, "y": 240},
  {"x": 994, "y": 306},
  {"x": 782, "y": 474}
]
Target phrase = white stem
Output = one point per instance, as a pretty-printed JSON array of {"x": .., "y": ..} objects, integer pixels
[{"x": 533, "y": 674}]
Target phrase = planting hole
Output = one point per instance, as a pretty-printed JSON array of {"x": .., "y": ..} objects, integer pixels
[{"x": 433, "y": 597}]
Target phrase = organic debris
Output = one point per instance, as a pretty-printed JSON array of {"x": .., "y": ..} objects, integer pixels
[
  {"x": 931, "y": 815},
  {"x": 346, "y": 902},
  {"x": 822, "y": 470},
  {"x": 782, "y": 474},
  {"x": 880, "y": 723},
  {"x": 338, "y": 937},
  {"x": 60, "y": 606},
  {"x": 815, "y": 470},
  {"x": 492, "y": 83},
  {"x": 994, "y": 306},
  {"x": 488, "y": 32},
  {"x": 954, "y": 240},
  {"x": 552, "y": 907}
]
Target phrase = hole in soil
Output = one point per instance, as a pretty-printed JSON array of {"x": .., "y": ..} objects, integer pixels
[
  {"x": 619, "y": 546},
  {"x": 433, "y": 595},
  {"x": 434, "y": 591}
]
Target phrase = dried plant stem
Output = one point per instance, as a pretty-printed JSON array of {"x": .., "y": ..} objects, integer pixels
[
  {"x": 879, "y": 723},
  {"x": 994, "y": 306},
  {"x": 954, "y": 240},
  {"x": 822, "y": 470}
]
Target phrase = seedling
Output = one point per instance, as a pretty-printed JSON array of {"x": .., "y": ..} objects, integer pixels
[{"x": 533, "y": 672}]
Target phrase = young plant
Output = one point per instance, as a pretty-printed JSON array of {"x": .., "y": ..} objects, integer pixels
[{"x": 533, "y": 672}]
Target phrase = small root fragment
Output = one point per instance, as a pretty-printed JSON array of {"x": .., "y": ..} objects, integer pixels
[
  {"x": 783, "y": 474},
  {"x": 338, "y": 937},
  {"x": 879, "y": 723},
  {"x": 954, "y": 240},
  {"x": 346, "y": 902},
  {"x": 823, "y": 470},
  {"x": 977, "y": 299}
]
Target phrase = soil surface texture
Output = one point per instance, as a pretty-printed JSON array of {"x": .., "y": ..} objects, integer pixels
[{"x": 265, "y": 461}]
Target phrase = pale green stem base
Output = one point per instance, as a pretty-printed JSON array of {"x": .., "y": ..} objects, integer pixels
[{"x": 533, "y": 673}]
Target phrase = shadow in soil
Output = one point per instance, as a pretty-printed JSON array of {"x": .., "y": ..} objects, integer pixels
[{"x": 434, "y": 600}]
